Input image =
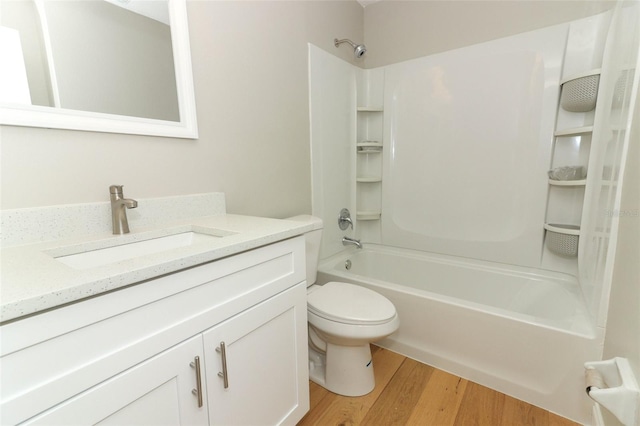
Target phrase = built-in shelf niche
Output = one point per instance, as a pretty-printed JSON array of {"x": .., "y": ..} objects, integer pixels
[
  {"x": 572, "y": 147},
  {"x": 370, "y": 153},
  {"x": 565, "y": 204},
  {"x": 369, "y": 164},
  {"x": 575, "y": 119},
  {"x": 369, "y": 126}
]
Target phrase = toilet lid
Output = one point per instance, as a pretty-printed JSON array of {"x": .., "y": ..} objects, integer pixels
[{"x": 350, "y": 304}]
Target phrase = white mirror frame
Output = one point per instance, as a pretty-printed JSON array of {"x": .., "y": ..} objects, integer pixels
[{"x": 60, "y": 118}]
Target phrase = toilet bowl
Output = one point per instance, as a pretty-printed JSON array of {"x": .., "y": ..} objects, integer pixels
[{"x": 343, "y": 320}]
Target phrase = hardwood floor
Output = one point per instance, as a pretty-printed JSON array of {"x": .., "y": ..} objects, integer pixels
[{"x": 411, "y": 393}]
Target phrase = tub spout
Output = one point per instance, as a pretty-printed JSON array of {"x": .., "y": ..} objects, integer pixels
[{"x": 346, "y": 241}]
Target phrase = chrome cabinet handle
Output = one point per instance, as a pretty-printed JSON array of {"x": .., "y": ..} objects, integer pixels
[
  {"x": 224, "y": 374},
  {"x": 198, "y": 390}
]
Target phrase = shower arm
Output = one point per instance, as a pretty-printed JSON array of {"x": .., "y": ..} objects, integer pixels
[
  {"x": 337, "y": 42},
  {"x": 358, "y": 49}
]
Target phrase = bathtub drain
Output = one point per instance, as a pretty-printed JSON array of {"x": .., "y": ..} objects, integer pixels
[{"x": 347, "y": 264}]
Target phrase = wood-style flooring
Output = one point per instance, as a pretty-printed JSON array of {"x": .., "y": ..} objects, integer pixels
[{"x": 408, "y": 392}]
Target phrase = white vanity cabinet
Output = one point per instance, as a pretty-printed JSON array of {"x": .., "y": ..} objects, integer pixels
[
  {"x": 252, "y": 366},
  {"x": 129, "y": 356},
  {"x": 156, "y": 392}
]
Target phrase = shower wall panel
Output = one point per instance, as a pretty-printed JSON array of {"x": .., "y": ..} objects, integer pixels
[
  {"x": 332, "y": 115},
  {"x": 615, "y": 112},
  {"x": 468, "y": 137}
]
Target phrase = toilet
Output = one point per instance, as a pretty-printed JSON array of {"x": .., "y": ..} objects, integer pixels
[{"x": 343, "y": 320}]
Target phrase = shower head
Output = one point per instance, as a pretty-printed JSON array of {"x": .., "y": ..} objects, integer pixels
[{"x": 358, "y": 49}]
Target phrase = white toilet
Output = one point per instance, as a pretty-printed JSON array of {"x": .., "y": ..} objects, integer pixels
[{"x": 343, "y": 320}]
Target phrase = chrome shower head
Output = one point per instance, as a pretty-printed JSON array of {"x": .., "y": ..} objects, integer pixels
[{"x": 358, "y": 49}]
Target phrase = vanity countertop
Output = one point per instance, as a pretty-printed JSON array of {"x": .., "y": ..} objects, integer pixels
[{"x": 33, "y": 280}]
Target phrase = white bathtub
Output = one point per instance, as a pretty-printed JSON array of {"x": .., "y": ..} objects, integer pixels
[{"x": 520, "y": 331}]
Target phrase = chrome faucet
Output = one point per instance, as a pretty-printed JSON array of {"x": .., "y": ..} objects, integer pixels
[
  {"x": 346, "y": 241},
  {"x": 119, "y": 206}
]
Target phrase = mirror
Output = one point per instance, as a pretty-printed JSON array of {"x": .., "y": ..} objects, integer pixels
[{"x": 119, "y": 66}]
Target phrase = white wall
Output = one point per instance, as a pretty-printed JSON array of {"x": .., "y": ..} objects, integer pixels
[
  {"x": 467, "y": 144},
  {"x": 623, "y": 323},
  {"x": 250, "y": 72},
  {"x": 332, "y": 86},
  {"x": 597, "y": 245}
]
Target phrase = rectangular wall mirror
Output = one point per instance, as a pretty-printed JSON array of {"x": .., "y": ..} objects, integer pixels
[{"x": 118, "y": 66}]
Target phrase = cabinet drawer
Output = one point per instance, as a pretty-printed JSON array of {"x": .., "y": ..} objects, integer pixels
[{"x": 55, "y": 355}]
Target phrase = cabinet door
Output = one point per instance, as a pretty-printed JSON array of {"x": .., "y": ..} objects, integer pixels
[
  {"x": 155, "y": 392},
  {"x": 266, "y": 355}
]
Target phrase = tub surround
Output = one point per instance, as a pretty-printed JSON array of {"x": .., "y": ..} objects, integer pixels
[{"x": 34, "y": 281}]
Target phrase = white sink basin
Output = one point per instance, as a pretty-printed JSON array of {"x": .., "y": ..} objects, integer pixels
[{"x": 131, "y": 250}]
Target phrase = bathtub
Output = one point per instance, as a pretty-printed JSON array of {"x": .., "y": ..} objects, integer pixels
[{"x": 521, "y": 331}]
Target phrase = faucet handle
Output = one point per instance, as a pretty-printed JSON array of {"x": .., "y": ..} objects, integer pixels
[
  {"x": 116, "y": 189},
  {"x": 344, "y": 220}
]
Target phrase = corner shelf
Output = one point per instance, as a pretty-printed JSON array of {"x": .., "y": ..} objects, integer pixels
[
  {"x": 369, "y": 167},
  {"x": 589, "y": 73},
  {"x": 369, "y": 147},
  {"x": 369, "y": 179},
  {"x": 574, "y": 131},
  {"x": 562, "y": 239},
  {"x": 563, "y": 228},
  {"x": 579, "y": 92},
  {"x": 368, "y": 215},
  {"x": 581, "y": 182},
  {"x": 571, "y": 145}
]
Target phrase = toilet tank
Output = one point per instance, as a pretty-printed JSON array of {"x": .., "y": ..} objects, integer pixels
[{"x": 312, "y": 245}]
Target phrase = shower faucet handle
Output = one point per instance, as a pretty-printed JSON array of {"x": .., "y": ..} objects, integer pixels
[{"x": 344, "y": 220}]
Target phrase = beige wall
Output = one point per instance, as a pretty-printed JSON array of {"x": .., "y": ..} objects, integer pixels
[
  {"x": 250, "y": 73},
  {"x": 399, "y": 30}
]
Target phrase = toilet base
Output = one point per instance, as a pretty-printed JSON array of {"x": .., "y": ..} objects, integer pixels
[{"x": 345, "y": 370}]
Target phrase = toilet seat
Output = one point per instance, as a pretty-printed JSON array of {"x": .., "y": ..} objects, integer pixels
[{"x": 350, "y": 304}]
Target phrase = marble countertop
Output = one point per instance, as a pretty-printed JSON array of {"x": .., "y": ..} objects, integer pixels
[{"x": 32, "y": 280}]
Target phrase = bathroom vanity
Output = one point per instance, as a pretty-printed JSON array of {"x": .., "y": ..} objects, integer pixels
[{"x": 213, "y": 334}]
